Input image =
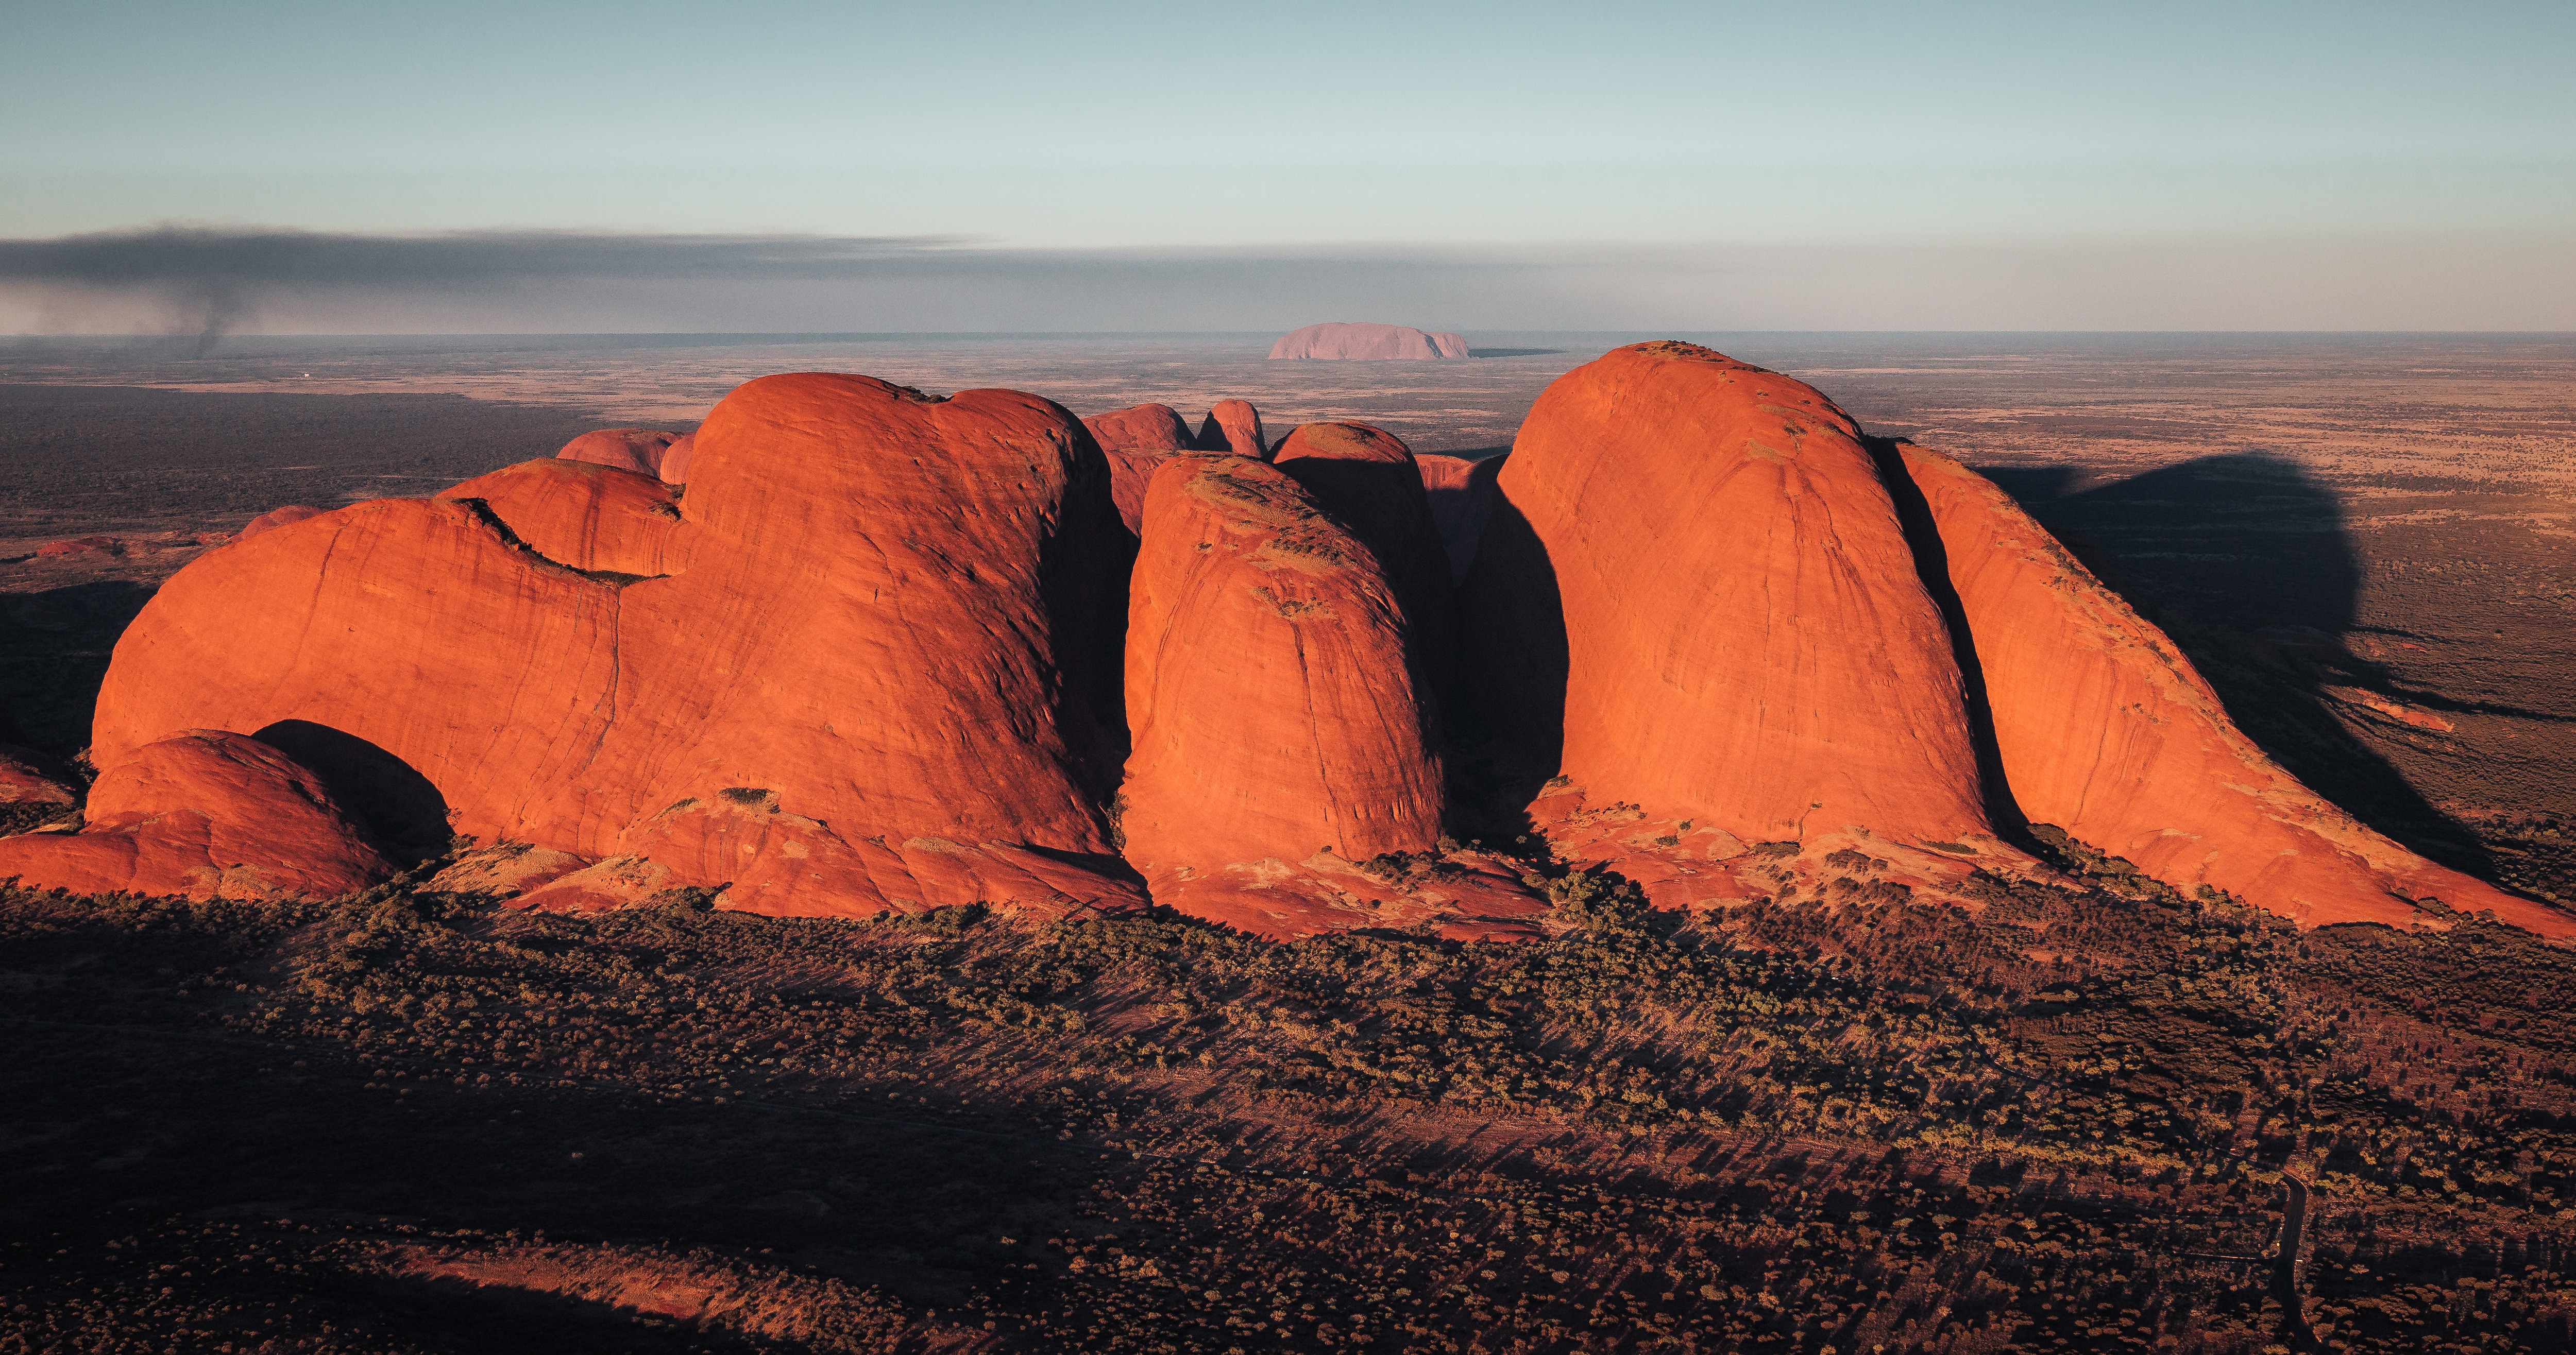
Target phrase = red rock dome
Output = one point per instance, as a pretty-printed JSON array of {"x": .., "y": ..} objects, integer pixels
[
  {"x": 582, "y": 514},
  {"x": 1275, "y": 705},
  {"x": 1140, "y": 428},
  {"x": 1366, "y": 478},
  {"x": 205, "y": 815},
  {"x": 2105, "y": 730},
  {"x": 1744, "y": 642},
  {"x": 629, "y": 449},
  {"x": 897, "y": 615},
  {"x": 1234, "y": 427}
]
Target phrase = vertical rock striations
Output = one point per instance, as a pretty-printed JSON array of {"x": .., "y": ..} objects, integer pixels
[
  {"x": 1695, "y": 595},
  {"x": 1274, "y": 702}
]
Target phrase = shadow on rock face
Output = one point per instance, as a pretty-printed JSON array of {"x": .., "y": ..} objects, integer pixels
[
  {"x": 2250, "y": 564},
  {"x": 400, "y": 808},
  {"x": 1511, "y": 708}
]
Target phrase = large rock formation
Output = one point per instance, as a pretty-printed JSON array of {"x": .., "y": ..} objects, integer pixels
[
  {"x": 896, "y": 615},
  {"x": 1367, "y": 342},
  {"x": 1277, "y": 709},
  {"x": 1695, "y": 596},
  {"x": 1233, "y": 427},
  {"x": 585, "y": 515},
  {"x": 206, "y": 815},
  {"x": 1366, "y": 477},
  {"x": 2105, "y": 730},
  {"x": 674, "y": 469},
  {"x": 1140, "y": 428},
  {"x": 640, "y": 450}
]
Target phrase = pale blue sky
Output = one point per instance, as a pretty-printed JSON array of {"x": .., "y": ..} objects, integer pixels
[{"x": 2426, "y": 133}]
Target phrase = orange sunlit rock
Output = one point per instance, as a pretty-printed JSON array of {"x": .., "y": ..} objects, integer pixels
[
  {"x": 1140, "y": 428},
  {"x": 2106, "y": 731},
  {"x": 1695, "y": 595},
  {"x": 582, "y": 514},
  {"x": 206, "y": 814},
  {"x": 630, "y": 449},
  {"x": 1234, "y": 427},
  {"x": 1277, "y": 710},
  {"x": 899, "y": 615},
  {"x": 1366, "y": 477}
]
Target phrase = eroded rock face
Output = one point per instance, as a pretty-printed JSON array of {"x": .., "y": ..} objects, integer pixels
[
  {"x": 582, "y": 514},
  {"x": 1367, "y": 342},
  {"x": 1367, "y": 478},
  {"x": 1129, "y": 474},
  {"x": 206, "y": 815},
  {"x": 1461, "y": 494},
  {"x": 1277, "y": 710},
  {"x": 640, "y": 450},
  {"x": 1234, "y": 427},
  {"x": 1140, "y": 428},
  {"x": 2105, "y": 730},
  {"x": 898, "y": 615},
  {"x": 1744, "y": 641}
]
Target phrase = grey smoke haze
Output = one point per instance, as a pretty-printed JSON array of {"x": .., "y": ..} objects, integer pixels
[{"x": 202, "y": 282}]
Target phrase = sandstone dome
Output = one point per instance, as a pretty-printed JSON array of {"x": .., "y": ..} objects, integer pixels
[
  {"x": 878, "y": 669},
  {"x": 641, "y": 450},
  {"x": 895, "y": 652},
  {"x": 1696, "y": 595},
  {"x": 207, "y": 815},
  {"x": 1340, "y": 341}
]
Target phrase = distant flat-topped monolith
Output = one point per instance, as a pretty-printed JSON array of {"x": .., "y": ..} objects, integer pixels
[{"x": 1340, "y": 341}]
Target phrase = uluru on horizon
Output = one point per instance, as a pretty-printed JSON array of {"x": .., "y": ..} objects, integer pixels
[{"x": 1367, "y": 341}]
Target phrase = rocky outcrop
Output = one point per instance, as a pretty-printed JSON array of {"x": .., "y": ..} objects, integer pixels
[
  {"x": 676, "y": 457},
  {"x": 1276, "y": 708},
  {"x": 1461, "y": 494},
  {"x": 1140, "y": 428},
  {"x": 1695, "y": 596},
  {"x": 640, "y": 450},
  {"x": 898, "y": 615},
  {"x": 1367, "y": 342},
  {"x": 1129, "y": 474},
  {"x": 1233, "y": 427},
  {"x": 1366, "y": 478},
  {"x": 582, "y": 514},
  {"x": 2105, "y": 730},
  {"x": 205, "y": 815},
  {"x": 275, "y": 518},
  {"x": 81, "y": 545}
]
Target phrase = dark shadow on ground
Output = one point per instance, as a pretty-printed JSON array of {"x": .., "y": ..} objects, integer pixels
[{"x": 2248, "y": 563}]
